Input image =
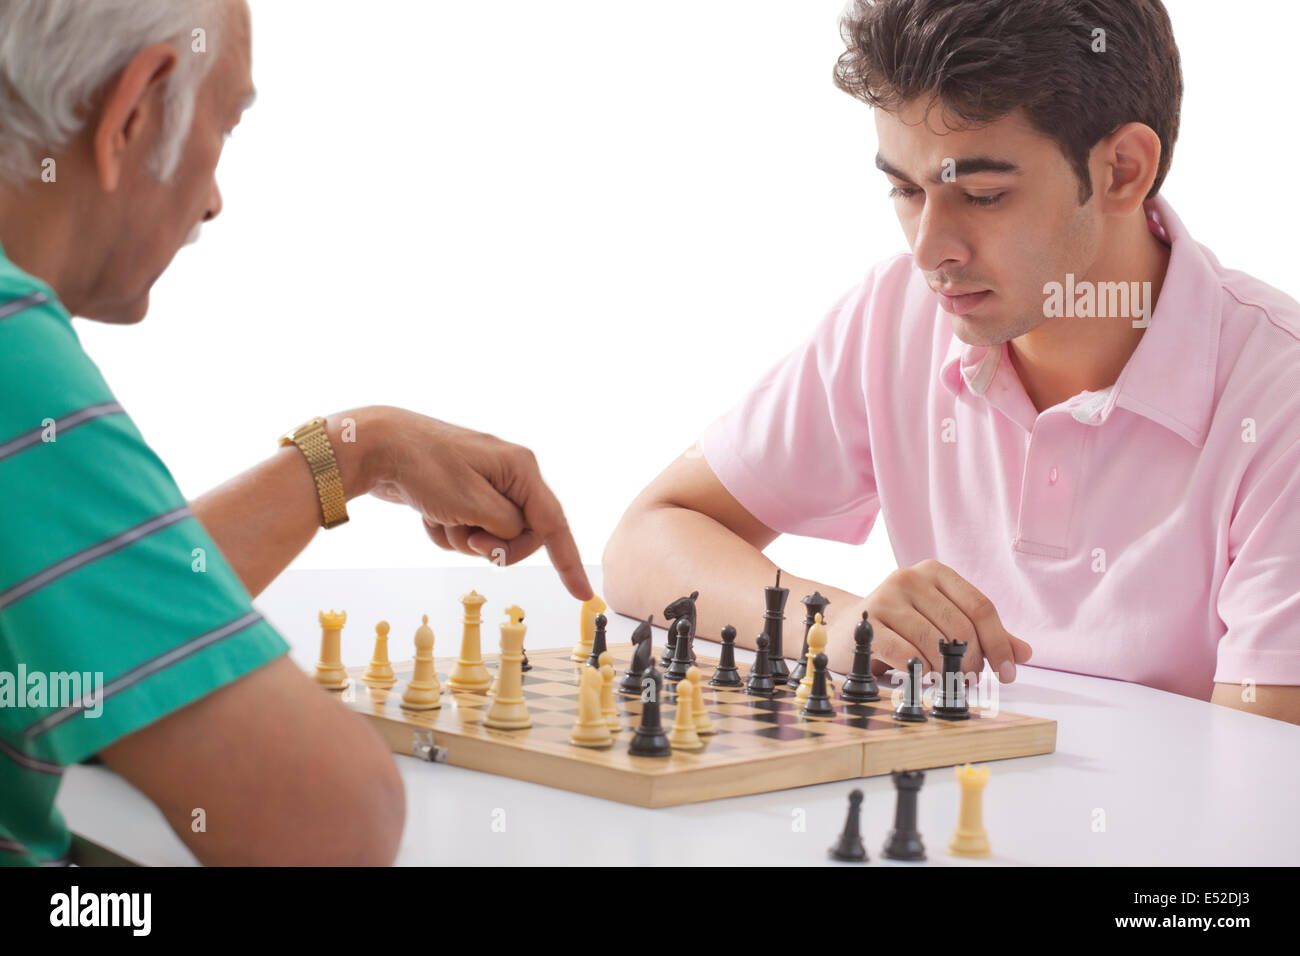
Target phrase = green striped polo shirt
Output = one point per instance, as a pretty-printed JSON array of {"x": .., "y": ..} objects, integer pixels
[{"x": 116, "y": 608}]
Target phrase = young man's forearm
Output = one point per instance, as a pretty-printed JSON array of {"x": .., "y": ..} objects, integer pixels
[
  {"x": 660, "y": 553},
  {"x": 261, "y": 519}
]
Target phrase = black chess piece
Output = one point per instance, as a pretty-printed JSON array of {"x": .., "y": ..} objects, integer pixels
[
  {"x": 649, "y": 739},
  {"x": 860, "y": 686},
  {"x": 683, "y": 607},
  {"x": 761, "y": 682},
  {"x": 849, "y": 848},
  {"x": 950, "y": 695},
  {"x": 818, "y": 703},
  {"x": 816, "y": 604},
  {"x": 774, "y": 599},
  {"x": 641, "y": 658},
  {"x": 911, "y": 709},
  {"x": 904, "y": 842},
  {"x": 682, "y": 658},
  {"x": 598, "y": 642},
  {"x": 726, "y": 674},
  {"x": 525, "y": 666}
]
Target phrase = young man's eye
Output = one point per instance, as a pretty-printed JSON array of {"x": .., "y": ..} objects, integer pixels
[{"x": 910, "y": 192}]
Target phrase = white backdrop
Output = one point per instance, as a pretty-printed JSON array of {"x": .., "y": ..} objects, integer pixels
[{"x": 584, "y": 226}]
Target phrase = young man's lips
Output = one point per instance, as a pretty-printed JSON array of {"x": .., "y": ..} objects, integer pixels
[{"x": 961, "y": 304}]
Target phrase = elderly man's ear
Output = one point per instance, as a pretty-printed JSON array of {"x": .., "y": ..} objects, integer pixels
[{"x": 131, "y": 117}]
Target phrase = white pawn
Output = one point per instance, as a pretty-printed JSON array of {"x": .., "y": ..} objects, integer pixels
[
  {"x": 699, "y": 713},
  {"x": 380, "y": 672},
  {"x": 816, "y": 645},
  {"x": 683, "y": 735},
  {"x": 607, "y": 706}
]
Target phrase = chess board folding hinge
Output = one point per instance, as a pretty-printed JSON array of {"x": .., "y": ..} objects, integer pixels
[{"x": 422, "y": 746}]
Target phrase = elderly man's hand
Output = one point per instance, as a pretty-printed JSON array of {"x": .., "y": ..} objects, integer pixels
[{"x": 477, "y": 494}]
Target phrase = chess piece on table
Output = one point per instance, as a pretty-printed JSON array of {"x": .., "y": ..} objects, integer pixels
[
  {"x": 379, "y": 673},
  {"x": 970, "y": 838},
  {"x": 849, "y": 848},
  {"x": 683, "y": 609},
  {"x": 699, "y": 712},
  {"x": 649, "y": 739},
  {"x": 598, "y": 642},
  {"x": 423, "y": 692},
  {"x": 608, "y": 706},
  {"x": 760, "y": 682},
  {"x": 815, "y": 604},
  {"x": 860, "y": 686},
  {"x": 904, "y": 842},
  {"x": 509, "y": 710},
  {"x": 818, "y": 703},
  {"x": 470, "y": 673},
  {"x": 329, "y": 669},
  {"x": 590, "y": 729},
  {"x": 683, "y": 736},
  {"x": 817, "y": 639},
  {"x": 725, "y": 674},
  {"x": 911, "y": 710},
  {"x": 682, "y": 651},
  {"x": 587, "y": 628},
  {"x": 774, "y": 599},
  {"x": 642, "y": 655},
  {"x": 950, "y": 695}
]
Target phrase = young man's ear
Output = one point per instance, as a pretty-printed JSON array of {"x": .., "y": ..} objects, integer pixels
[
  {"x": 130, "y": 119},
  {"x": 1128, "y": 161}
]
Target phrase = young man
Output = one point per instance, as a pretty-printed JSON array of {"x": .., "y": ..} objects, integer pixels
[
  {"x": 1058, "y": 464},
  {"x": 114, "y": 116}
]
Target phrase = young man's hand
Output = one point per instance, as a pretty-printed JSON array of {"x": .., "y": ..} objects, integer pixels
[
  {"x": 477, "y": 494},
  {"x": 914, "y": 607}
]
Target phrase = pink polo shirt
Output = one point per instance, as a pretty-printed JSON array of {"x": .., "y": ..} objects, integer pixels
[{"x": 1148, "y": 532}]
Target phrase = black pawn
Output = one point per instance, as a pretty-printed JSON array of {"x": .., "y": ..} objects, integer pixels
[
  {"x": 649, "y": 739},
  {"x": 818, "y": 703},
  {"x": 910, "y": 709},
  {"x": 681, "y": 660},
  {"x": 761, "y": 683},
  {"x": 904, "y": 842},
  {"x": 726, "y": 674},
  {"x": 598, "y": 642},
  {"x": 849, "y": 848},
  {"x": 816, "y": 604},
  {"x": 860, "y": 686}
]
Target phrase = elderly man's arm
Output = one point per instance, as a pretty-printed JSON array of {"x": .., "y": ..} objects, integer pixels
[{"x": 476, "y": 493}]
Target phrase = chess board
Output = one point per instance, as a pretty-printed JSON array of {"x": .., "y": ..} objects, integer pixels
[{"x": 761, "y": 744}]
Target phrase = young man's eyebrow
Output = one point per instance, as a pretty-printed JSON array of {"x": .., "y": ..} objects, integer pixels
[{"x": 963, "y": 167}]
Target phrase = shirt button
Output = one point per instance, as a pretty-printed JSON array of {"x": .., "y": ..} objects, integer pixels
[{"x": 1051, "y": 477}]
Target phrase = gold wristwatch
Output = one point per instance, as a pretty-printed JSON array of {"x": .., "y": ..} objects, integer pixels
[{"x": 315, "y": 446}]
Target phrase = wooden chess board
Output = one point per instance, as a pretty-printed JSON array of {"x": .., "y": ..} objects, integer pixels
[{"x": 761, "y": 744}]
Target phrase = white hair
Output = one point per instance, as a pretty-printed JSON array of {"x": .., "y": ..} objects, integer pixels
[{"x": 56, "y": 56}]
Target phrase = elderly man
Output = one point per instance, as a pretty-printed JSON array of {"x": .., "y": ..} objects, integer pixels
[{"x": 113, "y": 117}]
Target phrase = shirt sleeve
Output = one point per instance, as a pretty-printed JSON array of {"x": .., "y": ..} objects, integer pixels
[
  {"x": 1259, "y": 599},
  {"x": 116, "y": 606},
  {"x": 795, "y": 450}
]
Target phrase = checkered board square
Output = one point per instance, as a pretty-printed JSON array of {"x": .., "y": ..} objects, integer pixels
[{"x": 761, "y": 744}]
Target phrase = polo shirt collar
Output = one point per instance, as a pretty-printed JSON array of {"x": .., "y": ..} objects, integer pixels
[{"x": 1169, "y": 379}]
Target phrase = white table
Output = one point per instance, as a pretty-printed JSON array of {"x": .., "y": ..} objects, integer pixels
[{"x": 1139, "y": 776}]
